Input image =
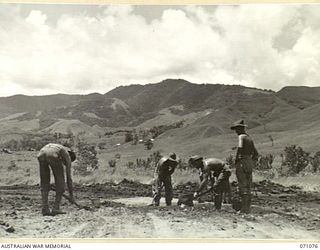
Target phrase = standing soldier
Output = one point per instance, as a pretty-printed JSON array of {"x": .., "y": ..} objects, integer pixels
[
  {"x": 244, "y": 162},
  {"x": 215, "y": 172},
  {"x": 164, "y": 169},
  {"x": 56, "y": 157}
]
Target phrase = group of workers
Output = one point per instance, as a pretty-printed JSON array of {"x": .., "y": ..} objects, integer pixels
[{"x": 213, "y": 172}]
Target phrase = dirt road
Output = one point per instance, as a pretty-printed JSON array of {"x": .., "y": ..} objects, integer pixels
[{"x": 279, "y": 213}]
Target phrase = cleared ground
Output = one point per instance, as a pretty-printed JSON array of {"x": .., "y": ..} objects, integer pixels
[{"x": 122, "y": 211}]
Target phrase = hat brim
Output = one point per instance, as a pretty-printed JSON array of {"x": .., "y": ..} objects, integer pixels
[
  {"x": 196, "y": 157},
  {"x": 171, "y": 159},
  {"x": 238, "y": 126}
]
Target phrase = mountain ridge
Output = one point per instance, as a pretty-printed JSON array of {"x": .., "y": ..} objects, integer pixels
[{"x": 136, "y": 104}]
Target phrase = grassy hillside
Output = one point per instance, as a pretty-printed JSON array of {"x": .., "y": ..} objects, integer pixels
[
  {"x": 23, "y": 103},
  {"x": 306, "y": 119},
  {"x": 300, "y": 96}
]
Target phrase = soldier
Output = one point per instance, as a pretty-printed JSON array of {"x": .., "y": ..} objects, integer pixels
[
  {"x": 214, "y": 171},
  {"x": 164, "y": 169},
  {"x": 55, "y": 156},
  {"x": 244, "y": 162}
]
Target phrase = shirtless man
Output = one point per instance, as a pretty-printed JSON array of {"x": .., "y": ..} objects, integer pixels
[
  {"x": 56, "y": 157},
  {"x": 215, "y": 171}
]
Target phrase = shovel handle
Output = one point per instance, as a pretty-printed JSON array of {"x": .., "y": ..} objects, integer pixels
[
  {"x": 67, "y": 198},
  {"x": 205, "y": 192}
]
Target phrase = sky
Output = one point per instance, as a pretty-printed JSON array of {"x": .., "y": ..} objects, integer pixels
[{"x": 80, "y": 49}]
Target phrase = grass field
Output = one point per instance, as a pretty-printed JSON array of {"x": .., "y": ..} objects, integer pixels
[{"x": 22, "y": 168}]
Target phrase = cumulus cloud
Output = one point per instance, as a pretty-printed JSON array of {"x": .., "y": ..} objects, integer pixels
[{"x": 266, "y": 46}]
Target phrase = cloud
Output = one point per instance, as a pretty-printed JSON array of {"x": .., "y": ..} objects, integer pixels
[{"x": 266, "y": 46}]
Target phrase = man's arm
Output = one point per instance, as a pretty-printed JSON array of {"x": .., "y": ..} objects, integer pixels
[
  {"x": 67, "y": 161},
  {"x": 255, "y": 155},
  {"x": 240, "y": 148},
  {"x": 203, "y": 182},
  {"x": 172, "y": 168}
]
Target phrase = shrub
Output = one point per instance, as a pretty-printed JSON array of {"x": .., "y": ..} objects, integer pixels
[
  {"x": 295, "y": 159},
  {"x": 155, "y": 156},
  {"x": 128, "y": 137},
  {"x": 148, "y": 144},
  {"x": 12, "y": 166},
  {"x": 112, "y": 163},
  {"x": 102, "y": 145},
  {"x": 130, "y": 165},
  {"x": 183, "y": 164},
  {"x": 265, "y": 162},
  {"x": 87, "y": 160},
  {"x": 148, "y": 163},
  {"x": 230, "y": 160},
  {"x": 315, "y": 162}
]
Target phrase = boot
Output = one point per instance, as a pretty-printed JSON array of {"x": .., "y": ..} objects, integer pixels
[
  {"x": 56, "y": 207},
  {"x": 168, "y": 202},
  {"x": 46, "y": 211},
  {"x": 244, "y": 204},
  {"x": 156, "y": 202},
  {"x": 217, "y": 202},
  {"x": 45, "y": 204},
  {"x": 248, "y": 208}
]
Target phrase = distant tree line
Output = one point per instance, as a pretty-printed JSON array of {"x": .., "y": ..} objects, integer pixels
[{"x": 34, "y": 143}]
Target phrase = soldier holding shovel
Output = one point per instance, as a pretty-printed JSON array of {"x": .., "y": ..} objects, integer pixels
[
  {"x": 217, "y": 172},
  {"x": 56, "y": 157},
  {"x": 164, "y": 169}
]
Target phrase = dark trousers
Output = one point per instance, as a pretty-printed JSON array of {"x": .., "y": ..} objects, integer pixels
[
  {"x": 244, "y": 176},
  {"x": 222, "y": 188},
  {"x": 57, "y": 167},
  {"x": 157, "y": 188}
]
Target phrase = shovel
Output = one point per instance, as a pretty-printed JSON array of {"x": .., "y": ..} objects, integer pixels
[
  {"x": 73, "y": 201},
  {"x": 187, "y": 199}
]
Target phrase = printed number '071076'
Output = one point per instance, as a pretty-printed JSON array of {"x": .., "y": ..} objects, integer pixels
[{"x": 309, "y": 246}]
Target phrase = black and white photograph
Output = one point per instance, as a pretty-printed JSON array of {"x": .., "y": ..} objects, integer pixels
[{"x": 191, "y": 121}]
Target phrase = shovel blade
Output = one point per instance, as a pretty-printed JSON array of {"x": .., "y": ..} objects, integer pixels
[{"x": 186, "y": 199}]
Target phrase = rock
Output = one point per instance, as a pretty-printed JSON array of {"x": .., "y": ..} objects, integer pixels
[
  {"x": 288, "y": 209},
  {"x": 25, "y": 198},
  {"x": 249, "y": 217},
  {"x": 274, "y": 191},
  {"x": 10, "y": 229}
]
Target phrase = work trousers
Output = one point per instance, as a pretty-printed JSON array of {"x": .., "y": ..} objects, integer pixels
[
  {"x": 57, "y": 167},
  {"x": 244, "y": 169},
  {"x": 222, "y": 188},
  {"x": 161, "y": 182}
]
